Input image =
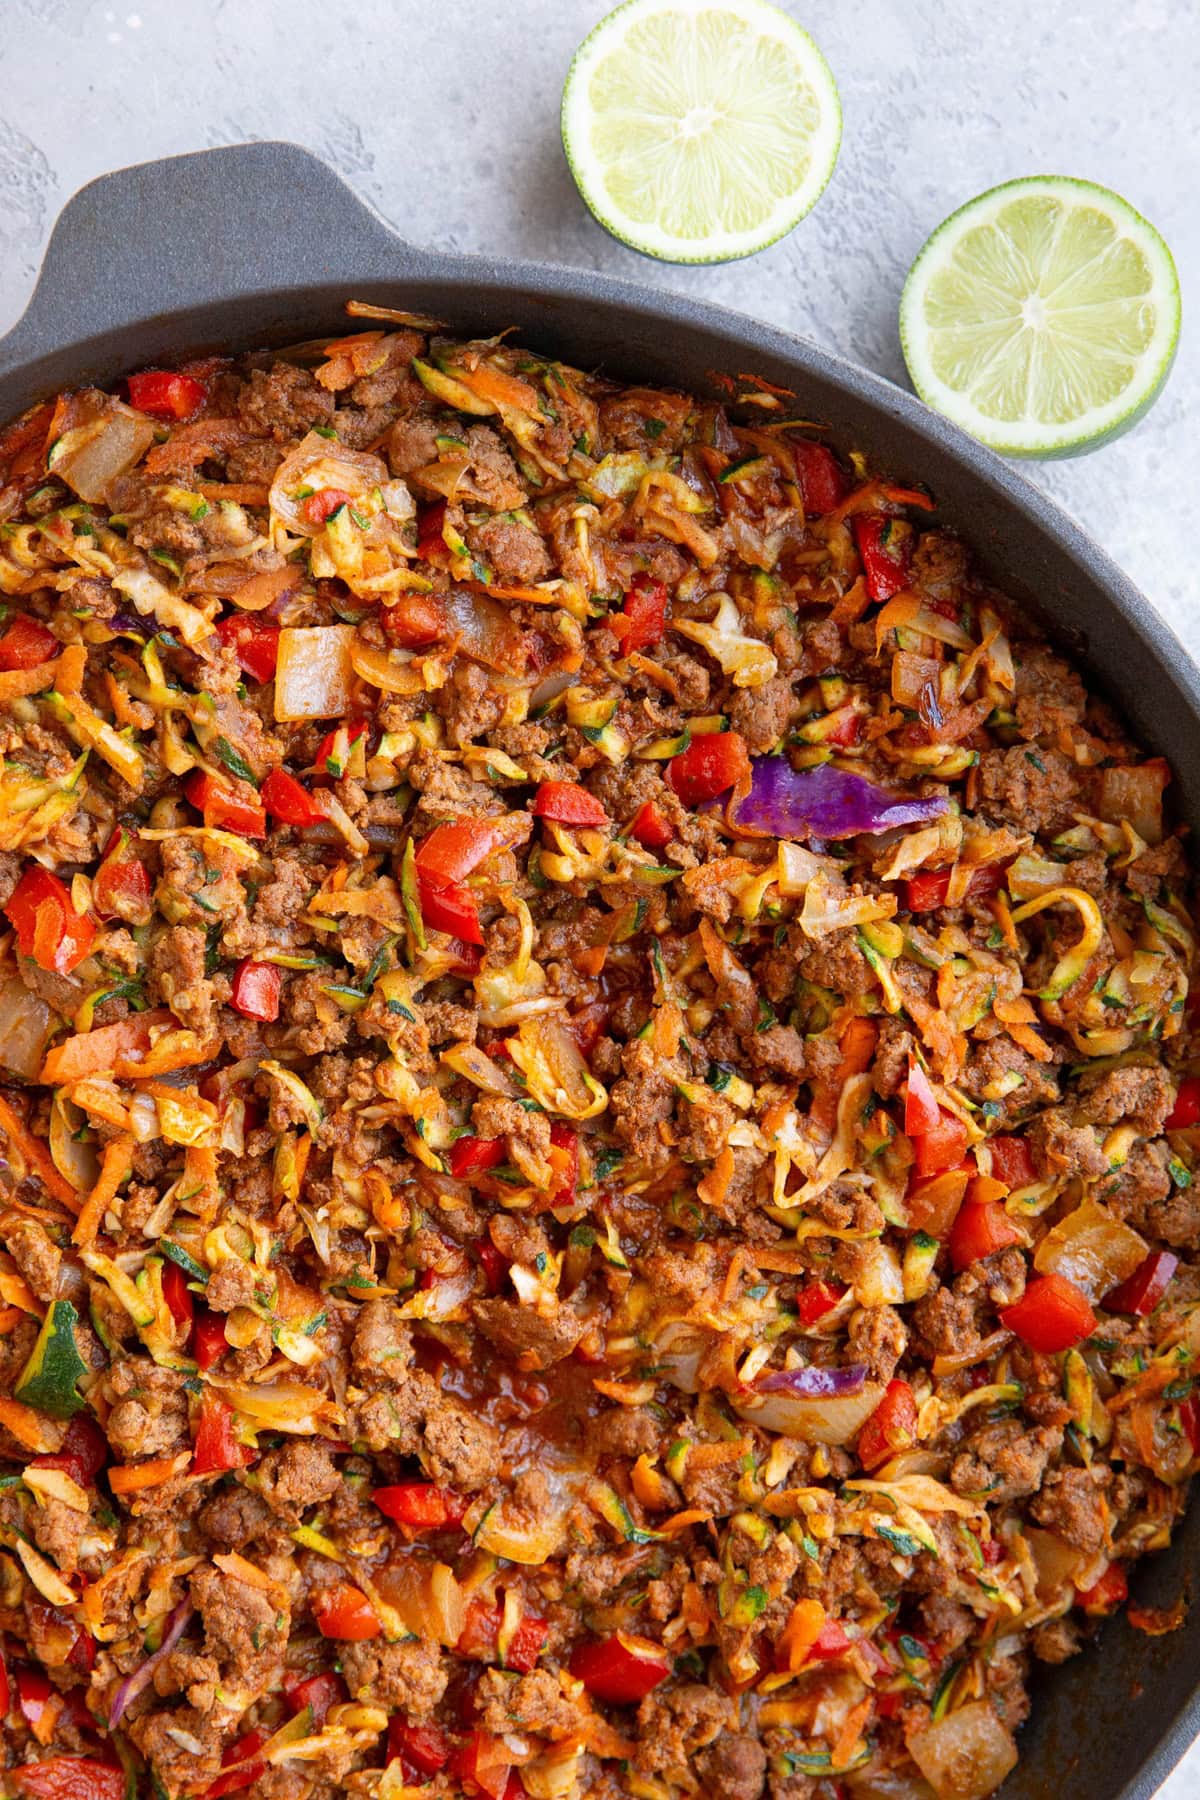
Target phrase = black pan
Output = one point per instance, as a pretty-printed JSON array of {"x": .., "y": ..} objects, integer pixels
[{"x": 261, "y": 244}]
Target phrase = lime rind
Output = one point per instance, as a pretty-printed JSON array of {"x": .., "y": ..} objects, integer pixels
[
  {"x": 1108, "y": 331},
  {"x": 734, "y": 191}
]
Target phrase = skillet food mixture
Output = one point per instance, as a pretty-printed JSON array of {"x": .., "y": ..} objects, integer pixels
[{"x": 598, "y": 1149}]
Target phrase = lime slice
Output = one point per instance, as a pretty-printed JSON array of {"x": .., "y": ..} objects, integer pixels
[
  {"x": 700, "y": 130},
  {"x": 1042, "y": 317}
]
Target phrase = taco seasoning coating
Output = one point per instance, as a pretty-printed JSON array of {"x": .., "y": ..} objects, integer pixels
[{"x": 598, "y": 1136}]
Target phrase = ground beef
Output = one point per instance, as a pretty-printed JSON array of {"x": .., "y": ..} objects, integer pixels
[
  {"x": 734, "y": 1769},
  {"x": 37, "y": 1258},
  {"x": 1135, "y": 1096},
  {"x": 283, "y": 402},
  {"x": 878, "y": 1338},
  {"x": 408, "y": 1677},
  {"x": 150, "y": 1414},
  {"x": 515, "y": 552},
  {"x": 529, "y": 1339},
  {"x": 1072, "y": 1505},
  {"x": 1004, "y": 1461},
  {"x": 763, "y": 714},
  {"x": 1035, "y": 789},
  {"x": 298, "y": 1476},
  {"x": 534, "y": 1702}
]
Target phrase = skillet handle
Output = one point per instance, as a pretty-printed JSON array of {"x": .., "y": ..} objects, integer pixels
[{"x": 187, "y": 231}]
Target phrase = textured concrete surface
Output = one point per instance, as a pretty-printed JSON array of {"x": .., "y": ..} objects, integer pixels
[{"x": 444, "y": 114}]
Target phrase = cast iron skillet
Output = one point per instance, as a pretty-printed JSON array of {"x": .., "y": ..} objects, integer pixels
[{"x": 261, "y": 244}]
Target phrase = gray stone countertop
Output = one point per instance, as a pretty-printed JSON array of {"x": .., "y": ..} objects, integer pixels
[{"x": 444, "y": 114}]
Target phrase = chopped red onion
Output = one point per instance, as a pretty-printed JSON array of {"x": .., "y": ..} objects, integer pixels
[
  {"x": 133, "y": 1684},
  {"x": 823, "y": 803},
  {"x": 813, "y": 1383}
]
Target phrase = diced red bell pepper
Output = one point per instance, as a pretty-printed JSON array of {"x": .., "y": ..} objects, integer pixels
[
  {"x": 165, "y": 394},
  {"x": 484, "y": 1766},
  {"x": 980, "y": 1231},
  {"x": 1106, "y": 1594},
  {"x": 564, "y": 1161},
  {"x": 33, "y": 1693},
  {"x": 568, "y": 804},
  {"x": 816, "y": 1299},
  {"x": 82, "y": 1654},
  {"x": 927, "y": 891},
  {"x": 345, "y": 1613},
  {"x": 495, "y": 1266},
  {"x": 240, "y": 1752},
  {"x": 820, "y": 477},
  {"x": 256, "y": 990},
  {"x": 431, "y": 523},
  {"x": 414, "y": 621},
  {"x": 226, "y": 808},
  {"x": 176, "y": 1294},
  {"x": 323, "y": 504},
  {"x": 217, "y": 1446},
  {"x": 316, "y": 1691},
  {"x": 27, "y": 643},
  {"x": 1012, "y": 1161},
  {"x": 421, "y": 1505},
  {"x": 68, "y": 1778},
  {"x": 940, "y": 1146},
  {"x": 921, "y": 1110},
  {"x": 832, "y": 1640},
  {"x": 650, "y": 827},
  {"x": 1141, "y": 1292},
  {"x": 322, "y": 765},
  {"x": 208, "y": 1338},
  {"x": 709, "y": 766},
  {"x": 423, "y": 1747},
  {"x": 1186, "y": 1110},
  {"x": 83, "y": 1454},
  {"x": 254, "y": 641},
  {"x": 466, "y": 1155},
  {"x": 643, "y": 618},
  {"x": 288, "y": 800},
  {"x": 1052, "y": 1315},
  {"x": 621, "y": 1669},
  {"x": 526, "y": 1643},
  {"x": 448, "y": 906},
  {"x": 121, "y": 885},
  {"x": 452, "y": 852},
  {"x": 885, "y": 550},
  {"x": 48, "y": 928},
  {"x": 480, "y": 1632},
  {"x": 5, "y": 1690},
  {"x": 1189, "y": 1418},
  {"x": 892, "y": 1427},
  {"x": 847, "y": 731}
]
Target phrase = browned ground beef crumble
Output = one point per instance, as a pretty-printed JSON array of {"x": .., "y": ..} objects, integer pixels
[{"x": 534, "y": 1261}]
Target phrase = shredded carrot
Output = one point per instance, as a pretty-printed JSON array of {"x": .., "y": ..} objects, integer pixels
[
  {"x": 900, "y": 610},
  {"x": 91, "y": 1052},
  {"x": 133, "y": 1477},
  {"x": 501, "y": 389},
  {"x": 230, "y": 1563},
  {"x": 241, "y": 493},
  {"x": 680, "y": 1521},
  {"x": 800, "y": 1633},
  {"x": 118, "y": 1160},
  {"x": 36, "y": 1157},
  {"x": 715, "y": 1185},
  {"x": 15, "y": 1292},
  {"x": 852, "y": 605},
  {"x": 1002, "y": 913},
  {"x": 708, "y": 1456},
  {"x": 851, "y": 1731},
  {"x": 33, "y": 1430}
]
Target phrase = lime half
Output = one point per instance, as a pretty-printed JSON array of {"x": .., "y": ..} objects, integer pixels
[
  {"x": 700, "y": 130},
  {"x": 1042, "y": 317}
]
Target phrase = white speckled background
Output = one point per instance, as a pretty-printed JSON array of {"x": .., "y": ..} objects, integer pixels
[{"x": 444, "y": 114}]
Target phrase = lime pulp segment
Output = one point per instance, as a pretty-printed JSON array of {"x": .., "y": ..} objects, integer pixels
[
  {"x": 1042, "y": 316},
  {"x": 700, "y": 130}
]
